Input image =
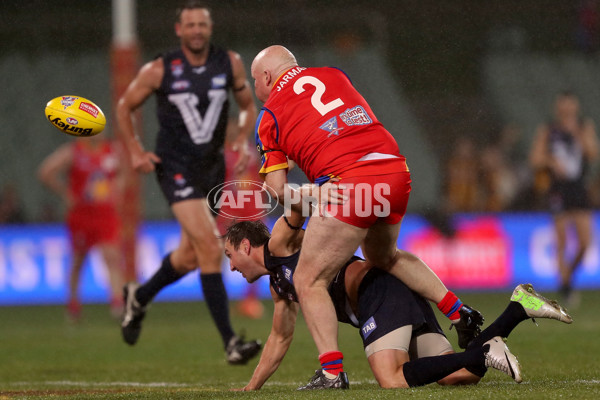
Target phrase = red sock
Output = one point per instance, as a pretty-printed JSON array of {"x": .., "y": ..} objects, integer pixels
[
  {"x": 332, "y": 362},
  {"x": 450, "y": 305}
]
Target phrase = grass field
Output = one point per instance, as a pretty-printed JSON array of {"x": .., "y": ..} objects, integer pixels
[{"x": 179, "y": 356}]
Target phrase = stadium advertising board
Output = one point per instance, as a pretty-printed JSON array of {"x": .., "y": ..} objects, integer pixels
[{"x": 487, "y": 252}]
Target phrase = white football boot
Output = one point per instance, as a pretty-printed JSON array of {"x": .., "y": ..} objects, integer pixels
[{"x": 500, "y": 358}]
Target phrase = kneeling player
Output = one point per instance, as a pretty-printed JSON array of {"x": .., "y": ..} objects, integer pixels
[{"x": 403, "y": 342}]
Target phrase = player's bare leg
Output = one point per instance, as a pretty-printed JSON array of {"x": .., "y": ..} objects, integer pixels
[
  {"x": 583, "y": 228},
  {"x": 114, "y": 265},
  {"x": 561, "y": 222},
  {"x": 387, "y": 368},
  {"x": 379, "y": 247},
  {"x": 198, "y": 223},
  {"x": 582, "y": 221},
  {"x": 327, "y": 245},
  {"x": 73, "y": 303}
]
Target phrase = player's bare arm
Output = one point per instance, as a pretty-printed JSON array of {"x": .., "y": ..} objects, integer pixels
[
  {"x": 278, "y": 342},
  {"x": 51, "y": 169},
  {"x": 589, "y": 140},
  {"x": 287, "y": 235},
  {"x": 145, "y": 83},
  {"x": 538, "y": 157},
  {"x": 247, "y": 110}
]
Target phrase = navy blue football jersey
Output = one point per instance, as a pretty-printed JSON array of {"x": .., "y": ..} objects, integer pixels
[
  {"x": 192, "y": 105},
  {"x": 281, "y": 277}
]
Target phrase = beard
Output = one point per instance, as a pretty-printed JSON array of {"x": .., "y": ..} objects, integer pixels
[{"x": 196, "y": 46}]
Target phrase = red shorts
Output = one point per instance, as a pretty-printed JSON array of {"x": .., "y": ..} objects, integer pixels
[
  {"x": 90, "y": 225},
  {"x": 373, "y": 198}
]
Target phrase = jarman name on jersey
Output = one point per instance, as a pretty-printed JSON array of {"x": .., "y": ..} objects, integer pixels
[{"x": 288, "y": 77}]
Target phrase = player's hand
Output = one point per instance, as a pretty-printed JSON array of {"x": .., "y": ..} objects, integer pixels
[
  {"x": 243, "y": 157},
  {"x": 332, "y": 192},
  {"x": 144, "y": 162}
]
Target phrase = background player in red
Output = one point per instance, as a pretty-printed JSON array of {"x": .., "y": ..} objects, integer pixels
[
  {"x": 315, "y": 117},
  {"x": 85, "y": 173},
  {"x": 192, "y": 85}
]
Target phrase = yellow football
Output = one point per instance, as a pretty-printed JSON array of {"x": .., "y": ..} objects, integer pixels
[{"x": 75, "y": 116}]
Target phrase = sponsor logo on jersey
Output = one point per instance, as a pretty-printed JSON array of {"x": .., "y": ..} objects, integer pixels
[
  {"x": 176, "y": 67},
  {"x": 355, "y": 116},
  {"x": 181, "y": 85},
  {"x": 199, "y": 70},
  {"x": 72, "y": 121},
  {"x": 331, "y": 126},
  {"x": 67, "y": 101},
  {"x": 69, "y": 128},
  {"x": 368, "y": 328},
  {"x": 179, "y": 179},
  {"x": 89, "y": 108},
  {"x": 219, "y": 81},
  {"x": 185, "y": 192}
]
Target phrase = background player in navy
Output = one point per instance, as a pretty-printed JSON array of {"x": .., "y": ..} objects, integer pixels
[
  {"x": 564, "y": 148},
  {"x": 191, "y": 85},
  {"x": 403, "y": 342}
]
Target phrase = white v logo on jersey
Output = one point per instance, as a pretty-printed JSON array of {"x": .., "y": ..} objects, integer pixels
[{"x": 200, "y": 129}]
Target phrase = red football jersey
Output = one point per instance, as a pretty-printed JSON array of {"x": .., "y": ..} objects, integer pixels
[
  {"x": 315, "y": 117},
  {"x": 92, "y": 174}
]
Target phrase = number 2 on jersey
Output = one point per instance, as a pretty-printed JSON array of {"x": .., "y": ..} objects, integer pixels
[
  {"x": 200, "y": 129},
  {"x": 315, "y": 99}
]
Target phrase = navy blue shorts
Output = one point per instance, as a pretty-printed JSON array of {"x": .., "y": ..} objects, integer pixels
[
  {"x": 185, "y": 178},
  {"x": 567, "y": 196},
  {"x": 386, "y": 304}
]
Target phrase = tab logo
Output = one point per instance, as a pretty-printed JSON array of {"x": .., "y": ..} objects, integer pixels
[
  {"x": 287, "y": 273},
  {"x": 368, "y": 327}
]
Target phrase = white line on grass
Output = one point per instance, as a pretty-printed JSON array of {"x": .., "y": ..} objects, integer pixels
[{"x": 232, "y": 384}]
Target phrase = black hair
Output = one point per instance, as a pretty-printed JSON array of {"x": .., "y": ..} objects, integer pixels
[
  {"x": 255, "y": 231},
  {"x": 190, "y": 5}
]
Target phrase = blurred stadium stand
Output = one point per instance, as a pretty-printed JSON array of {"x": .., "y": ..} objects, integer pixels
[
  {"x": 425, "y": 66},
  {"x": 522, "y": 86}
]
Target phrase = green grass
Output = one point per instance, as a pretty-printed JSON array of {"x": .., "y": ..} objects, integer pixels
[{"x": 179, "y": 356}]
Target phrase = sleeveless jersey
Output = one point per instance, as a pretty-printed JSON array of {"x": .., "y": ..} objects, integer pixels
[
  {"x": 192, "y": 105},
  {"x": 92, "y": 175},
  {"x": 281, "y": 277},
  {"x": 315, "y": 117},
  {"x": 564, "y": 147}
]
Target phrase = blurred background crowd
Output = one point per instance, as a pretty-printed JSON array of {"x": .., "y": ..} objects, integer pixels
[{"x": 461, "y": 85}]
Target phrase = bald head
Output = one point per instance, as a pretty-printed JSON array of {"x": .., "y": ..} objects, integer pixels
[
  {"x": 275, "y": 59},
  {"x": 267, "y": 66}
]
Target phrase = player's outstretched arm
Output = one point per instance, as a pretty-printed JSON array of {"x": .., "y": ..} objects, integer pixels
[
  {"x": 142, "y": 87},
  {"x": 278, "y": 343}
]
